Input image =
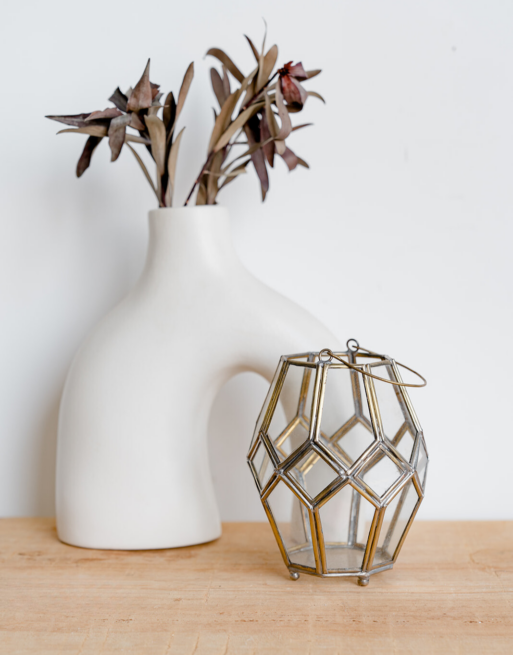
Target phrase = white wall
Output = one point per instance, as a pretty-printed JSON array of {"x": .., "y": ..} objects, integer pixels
[{"x": 399, "y": 235}]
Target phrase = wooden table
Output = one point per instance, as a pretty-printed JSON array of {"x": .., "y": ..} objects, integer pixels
[{"x": 450, "y": 592}]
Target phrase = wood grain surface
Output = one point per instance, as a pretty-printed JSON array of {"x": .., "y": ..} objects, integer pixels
[{"x": 451, "y": 591}]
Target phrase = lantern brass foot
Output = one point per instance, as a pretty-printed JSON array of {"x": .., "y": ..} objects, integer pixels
[
  {"x": 363, "y": 580},
  {"x": 294, "y": 575}
]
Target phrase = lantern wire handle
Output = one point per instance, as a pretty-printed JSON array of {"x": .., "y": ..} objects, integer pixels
[{"x": 353, "y": 347}]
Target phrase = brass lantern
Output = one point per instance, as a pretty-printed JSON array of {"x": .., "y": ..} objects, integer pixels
[{"x": 342, "y": 478}]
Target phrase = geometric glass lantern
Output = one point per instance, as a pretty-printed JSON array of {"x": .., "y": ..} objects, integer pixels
[{"x": 342, "y": 477}]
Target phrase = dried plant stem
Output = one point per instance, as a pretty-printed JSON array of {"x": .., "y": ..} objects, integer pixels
[
  {"x": 211, "y": 155},
  {"x": 146, "y": 174}
]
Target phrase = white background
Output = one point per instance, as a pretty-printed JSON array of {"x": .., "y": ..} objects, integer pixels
[{"x": 399, "y": 235}]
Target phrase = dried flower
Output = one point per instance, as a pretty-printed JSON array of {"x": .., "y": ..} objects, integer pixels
[
  {"x": 255, "y": 115},
  {"x": 137, "y": 109}
]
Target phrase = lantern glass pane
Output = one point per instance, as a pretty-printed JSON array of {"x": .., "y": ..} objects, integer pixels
[
  {"x": 290, "y": 440},
  {"x": 338, "y": 404},
  {"x": 397, "y": 517},
  {"x": 265, "y": 406},
  {"x": 308, "y": 387},
  {"x": 422, "y": 463},
  {"x": 287, "y": 407},
  {"x": 390, "y": 402},
  {"x": 381, "y": 473},
  {"x": 313, "y": 474},
  {"x": 351, "y": 444},
  {"x": 293, "y": 523},
  {"x": 346, "y": 520},
  {"x": 404, "y": 442},
  {"x": 262, "y": 464}
]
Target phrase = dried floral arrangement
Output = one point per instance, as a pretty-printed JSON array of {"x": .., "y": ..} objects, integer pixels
[{"x": 254, "y": 115}]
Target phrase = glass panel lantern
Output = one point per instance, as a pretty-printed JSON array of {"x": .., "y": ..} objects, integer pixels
[{"x": 342, "y": 477}]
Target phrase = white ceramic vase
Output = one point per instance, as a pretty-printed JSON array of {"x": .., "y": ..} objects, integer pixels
[{"x": 132, "y": 460}]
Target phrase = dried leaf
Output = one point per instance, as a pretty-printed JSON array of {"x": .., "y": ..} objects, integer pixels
[
  {"x": 313, "y": 73},
  {"x": 299, "y": 127},
  {"x": 237, "y": 124},
  {"x": 265, "y": 36},
  {"x": 316, "y": 95},
  {"x": 184, "y": 89},
  {"x": 117, "y": 130},
  {"x": 85, "y": 158},
  {"x": 290, "y": 159},
  {"x": 223, "y": 120},
  {"x": 93, "y": 130},
  {"x": 257, "y": 157},
  {"x": 171, "y": 167},
  {"x": 141, "y": 96},
  {"x": 144, "y": 170},
  {"x": 224, "y": 59},
  {"x": 271, "y": 121},
  {"x": 256, "y": 146},
  {"x": 280, "y": 146},
  {"x": 169, "y": 112},
  {"x": 235, "y": 173},
  {"x": 155, "y": 91},
  {"x": 201, "y": 198},
  {"x": 212, "y": 180},
  {"x": 218, "y": 86},
  {"x": 77, "y": 120},
  {"x": 110, "y": 112},
  {"x": 157, "y": 131},
  {"x": 137, "y": 139},
  {"x": 226, "y": 82},
  {"x": 266, "y": 66},
  {"x": 119, "y": 99},
  {"x": 286, "y": 125},
  {"x": 136, "y": 122},
  {"x": 253, "y": 49},
  {"x": 302, "y": 162},
  {"x": 265, "y": 136}
]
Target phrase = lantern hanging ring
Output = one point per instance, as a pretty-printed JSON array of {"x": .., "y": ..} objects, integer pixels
[{"x": 353, "y": 347}]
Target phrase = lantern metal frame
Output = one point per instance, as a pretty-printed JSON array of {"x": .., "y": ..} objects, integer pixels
[{"x": 318, "y": 445}]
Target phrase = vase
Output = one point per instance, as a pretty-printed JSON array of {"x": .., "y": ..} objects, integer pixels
[{"x": 132, "y": 459}]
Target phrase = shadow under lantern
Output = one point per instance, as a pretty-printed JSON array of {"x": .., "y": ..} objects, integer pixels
[{"x": 342, "y": 479}]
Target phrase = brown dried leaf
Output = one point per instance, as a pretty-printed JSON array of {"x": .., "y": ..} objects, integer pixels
[
  {"x": 253, "y": 49},
  {"x": 201, "y": 198},
  {"x": 286, "y": 125},
  {"x": 93, "y": 130},
  {"x": 169, "y": 112},
  {"x": 155, "y": 90},
  {"x": 117, "y": 130},
  {"x": 157, "y": 131},
  {"x": 290, "y": 159},
  {"x": 184, "y": 89},
  {"x": 171, "y": 167},
  {"x": 226, "y": 82},
  {"x": 110, "y": 112},
  {"x": 141, "y": 96},
  {"x": 316, "y": 95},
  {"x": 85, "y": 158},
  {"x": 144, "y": 170},
  {"x": 136, "y": 122},
  {"x": 299, "y": 127},
  {"x": 218, "y": 86},
  {"x": 212, "y": 180},
  {"x": 266, "y": 66},
  {"x": 302, "y": 162},
  {"x": 258, "y": 158},
  {"x": 77, "y": 120},
  {"x": 265, "y": 136},
  {"x": 137, "y": 139},
  {"x": 313, "y": 73},
  {"x": 271, "y": 120},
  {"x": 240, "y": 170},
  {"x": 224, "y": 59},
  {"x": 280, "y": 146},
  {"x": 224, "y": 118},
  {"x": 239, "y": 122},
  {"x": 119, "y": 99}
]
